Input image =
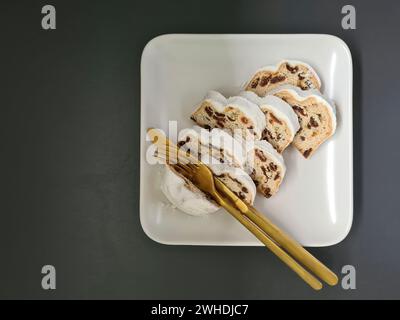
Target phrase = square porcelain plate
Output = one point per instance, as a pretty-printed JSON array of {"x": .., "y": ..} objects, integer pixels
[{"x": 315, "y": 201}]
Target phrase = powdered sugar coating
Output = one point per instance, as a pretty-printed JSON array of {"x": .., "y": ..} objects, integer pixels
[{"x": 185, "y": 196}]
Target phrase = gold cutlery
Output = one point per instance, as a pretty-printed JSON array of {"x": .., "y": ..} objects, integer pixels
[{"x": 286, "y": 242}]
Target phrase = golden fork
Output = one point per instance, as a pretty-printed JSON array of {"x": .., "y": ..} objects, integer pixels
[
  {"x": 280, "y": 237},
  {"x": 202, "y": 177},
  {"x": 269, "y": 234}
]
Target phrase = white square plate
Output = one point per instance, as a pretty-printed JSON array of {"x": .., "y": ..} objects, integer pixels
[{"x": 315, "y": 201}]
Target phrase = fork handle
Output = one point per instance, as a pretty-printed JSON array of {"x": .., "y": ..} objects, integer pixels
[
  {"x": 271, "y": 245},
  {"x": 280, "y": 237},
  {"x": 293, "y": 247}
]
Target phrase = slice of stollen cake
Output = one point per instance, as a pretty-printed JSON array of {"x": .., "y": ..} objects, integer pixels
[
  {"x": 317, "y": 117},
  {"x": 292, "y": 72}
]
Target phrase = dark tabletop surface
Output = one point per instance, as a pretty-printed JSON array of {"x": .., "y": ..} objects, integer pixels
[{"x": 70, "y": 117}]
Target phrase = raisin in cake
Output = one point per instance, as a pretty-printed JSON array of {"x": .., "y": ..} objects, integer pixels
[
  {"x": 184, "y": 195},
  {"x": 216, "y": 144},
  {"x": 235, "y": 114},
  {"x": 266, "y": 167},
  {"x": 317, "y": 117},
  {"x": 292, "y": 72},
  {"x": 281, "y": 121}
]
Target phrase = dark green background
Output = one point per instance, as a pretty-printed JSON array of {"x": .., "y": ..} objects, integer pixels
[{"x": 70, "y": 117}]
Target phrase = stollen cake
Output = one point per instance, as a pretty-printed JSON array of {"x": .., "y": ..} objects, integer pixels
[
  {"x": 317, "y": 117},
  {"x": 216, "y": 144},
  {"x": 281, "y": 121},
  {"x": 266, "y": 167},
  {"x": 233, "y": 115},
  {"x": 292, "y": 72}
]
